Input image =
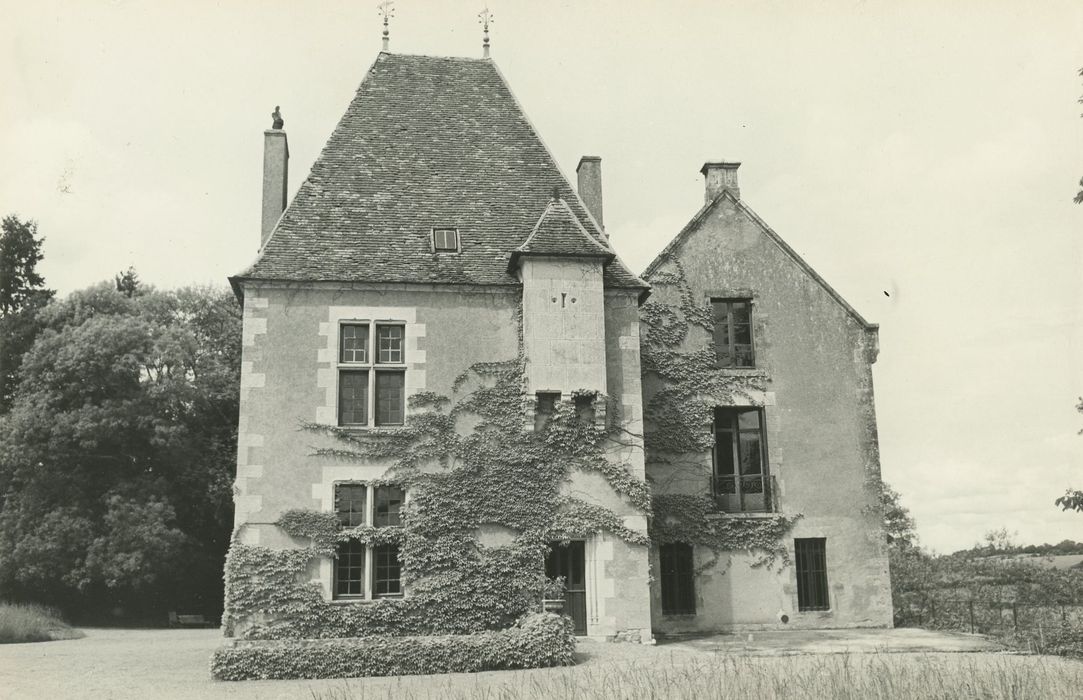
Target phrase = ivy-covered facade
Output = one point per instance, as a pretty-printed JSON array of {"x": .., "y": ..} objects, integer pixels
[
  {"x": 441, "y": 403},
  {"x": 760, "y": 434},
  {"x": 454, "y": 393}
]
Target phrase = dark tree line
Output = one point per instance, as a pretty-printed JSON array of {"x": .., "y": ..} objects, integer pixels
[{"x": 117, "y": 441}]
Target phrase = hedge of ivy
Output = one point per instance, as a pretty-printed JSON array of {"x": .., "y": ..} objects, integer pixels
[{"x": 538, "y": 640}]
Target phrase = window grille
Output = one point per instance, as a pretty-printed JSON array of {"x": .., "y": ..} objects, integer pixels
[
  {"x": 677, "y": 579},
  {"x": 811, "y": 566}
]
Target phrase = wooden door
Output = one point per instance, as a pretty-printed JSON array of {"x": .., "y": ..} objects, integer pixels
[{"x": 570, "y": 561}]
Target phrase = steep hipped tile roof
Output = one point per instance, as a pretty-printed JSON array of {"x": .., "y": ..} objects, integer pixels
[
  {"x": 426, "y": 142},
  {"x": 559, "y": 233}
]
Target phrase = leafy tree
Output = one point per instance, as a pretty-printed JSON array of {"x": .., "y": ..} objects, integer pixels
[
  {"x": 898, "y": 523},
  {"x": 22, "y": 295},
  {"x": 1071, "y": 500},
  {"x": 117, "y": 455},
  {"x": 127, "y": 282},
  {"x": 999, "y": 541},
  {"x": 20, "y": 252}
]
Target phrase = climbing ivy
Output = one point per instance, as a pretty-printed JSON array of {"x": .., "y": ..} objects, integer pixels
[
  {"x": 677, "y": 351},
  {"x": 467, "y": 461},
  {"x": 694, "y": 519}
]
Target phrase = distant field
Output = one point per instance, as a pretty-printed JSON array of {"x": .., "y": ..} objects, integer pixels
[{"x": 32, "y": 623}]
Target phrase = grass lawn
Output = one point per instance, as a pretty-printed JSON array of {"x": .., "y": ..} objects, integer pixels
[{"x": 32, "y": 623}]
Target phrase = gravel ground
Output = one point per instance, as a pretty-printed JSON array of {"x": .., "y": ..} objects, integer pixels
[{"x": 116, "y": 663}]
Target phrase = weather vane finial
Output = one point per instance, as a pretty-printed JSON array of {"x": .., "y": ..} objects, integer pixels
[
  {"x": 387, "y": 9},
  {"x": 484, "y": 18}
]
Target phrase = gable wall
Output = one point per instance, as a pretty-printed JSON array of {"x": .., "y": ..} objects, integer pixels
[{"x": 820, "y": 424}]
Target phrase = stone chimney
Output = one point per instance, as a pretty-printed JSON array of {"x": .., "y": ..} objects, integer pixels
[
  {"x": 589, "y": 171},
  {"x": 718, "y": 177},
  {"x": 276, "y": 158}
]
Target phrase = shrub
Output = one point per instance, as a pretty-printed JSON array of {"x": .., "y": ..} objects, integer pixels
[
  {"x": 538, "y": 639},
  {"x": 32, "y": 623}
]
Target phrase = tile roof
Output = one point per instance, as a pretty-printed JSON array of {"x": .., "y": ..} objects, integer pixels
[
  {"x": 559, "y": 233},
  {"x": 426, "y": 142}
]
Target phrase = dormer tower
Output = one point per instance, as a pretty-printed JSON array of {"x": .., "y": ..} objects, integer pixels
[{"x": 561, "y": 267}]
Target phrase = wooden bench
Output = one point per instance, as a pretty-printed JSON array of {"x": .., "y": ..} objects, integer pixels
[{"x": 186, "y": 620}]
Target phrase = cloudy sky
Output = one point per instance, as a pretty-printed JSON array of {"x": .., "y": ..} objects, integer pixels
[{"x": 928, "y": 150}]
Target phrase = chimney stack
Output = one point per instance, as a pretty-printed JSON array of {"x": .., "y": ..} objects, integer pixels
[
  {"x": 718, "y": 177},
  {"x": 589, "y": 171},
  {"x": 276, "y": 158}
]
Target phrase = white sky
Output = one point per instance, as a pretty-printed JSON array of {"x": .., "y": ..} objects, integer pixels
[{"x": 926, "y": 149}]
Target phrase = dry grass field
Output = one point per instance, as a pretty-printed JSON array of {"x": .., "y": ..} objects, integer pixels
[
  {"x": 870, "y": 676},
  {"x": 175, "y": 664}
]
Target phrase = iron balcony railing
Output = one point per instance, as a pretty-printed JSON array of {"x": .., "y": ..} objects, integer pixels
[{"x": 751, "y": 493}]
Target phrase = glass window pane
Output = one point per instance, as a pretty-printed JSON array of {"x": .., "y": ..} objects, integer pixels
[
  {"x": 386, "y": 571},
  {"x": 388, "y": 504},
  {"x": 353, "y": 391},
  {"x": 354, "y": 343},
  {"x": 748, "y": 420},
  {"x": 350, "y": 504},
  {"x": 390, "y": 344},
  {"x": 390, "y": 400},
  {"x": 742, "y": 356},
  {"x": 723, "y": 448},
  {"x": 350, "y": 569},
  {"x": 722, "y": 339},
  {"x": 750, "y": 453},
  {"x": 739, "y": 311},
  {"x": 733, "y": 332}
]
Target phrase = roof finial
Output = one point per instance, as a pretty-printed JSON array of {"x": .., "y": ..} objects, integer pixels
[
  {"x": 387, "y": 9},
  {"x": 484, "y": 18}
]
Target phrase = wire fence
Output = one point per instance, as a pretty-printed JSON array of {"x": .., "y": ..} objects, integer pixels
[{"x": 1046, "y": 628}]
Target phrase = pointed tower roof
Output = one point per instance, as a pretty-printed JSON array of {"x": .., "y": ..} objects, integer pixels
[
  {"x": 559, "y": 233},
  {"x": 427, "y": 142}
]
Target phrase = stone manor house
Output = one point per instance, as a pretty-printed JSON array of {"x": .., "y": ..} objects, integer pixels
[{"x": 436, "y": 231}]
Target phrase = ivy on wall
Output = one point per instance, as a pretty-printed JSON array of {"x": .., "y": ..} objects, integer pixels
[
  {"x": 677, "y": 348},
  {"x": 694, "y": 519},
  {"x": 472, "y": 460},
  {"x": 467, "y": 461}
]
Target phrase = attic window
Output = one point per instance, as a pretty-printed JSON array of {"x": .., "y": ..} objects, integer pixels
[{"x": 445, "y": 240}]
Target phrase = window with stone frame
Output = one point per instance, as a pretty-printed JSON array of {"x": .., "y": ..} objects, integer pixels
[
  {"x": 360, "y": 572},
  {"x": 371, "y": 374},
  {"x": 733, "y": 332},
  {"x": 741, "y": 482}
]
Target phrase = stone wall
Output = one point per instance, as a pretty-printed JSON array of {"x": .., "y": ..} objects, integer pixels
[
  {"x": 814, "y": 356},
  {"x": 289, "y": 376}
]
